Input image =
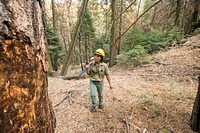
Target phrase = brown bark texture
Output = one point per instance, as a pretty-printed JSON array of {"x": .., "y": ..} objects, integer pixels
[
  {"x": 24, "y": 102},
  {"x": 195, "y": 117},
  {"x": 113, "y": 49},
  {"x": 191, "y": 16}
]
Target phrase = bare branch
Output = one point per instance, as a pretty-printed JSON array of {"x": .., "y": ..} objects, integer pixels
[
  {"x": 125, "y": 10},
  {"x": 138, "y": 18}
]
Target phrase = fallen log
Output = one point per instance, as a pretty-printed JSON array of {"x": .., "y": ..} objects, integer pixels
[
  {"x": 195, "y": 117},
  {"x": 72, "y": 77}
]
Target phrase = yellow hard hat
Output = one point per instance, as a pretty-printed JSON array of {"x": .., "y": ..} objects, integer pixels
[{"x": 100, "y": 52}]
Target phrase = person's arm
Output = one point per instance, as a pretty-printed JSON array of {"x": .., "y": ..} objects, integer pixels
[{"x": 109, "y": 81}]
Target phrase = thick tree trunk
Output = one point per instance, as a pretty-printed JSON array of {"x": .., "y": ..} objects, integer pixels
[
  {"x": 195, "y": 117},
  {"x": 24, "y": 105}
]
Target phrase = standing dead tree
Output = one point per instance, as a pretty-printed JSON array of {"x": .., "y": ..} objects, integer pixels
[
  {"x": 24, "y": 104},
  {"x": 74, "y": 38}
]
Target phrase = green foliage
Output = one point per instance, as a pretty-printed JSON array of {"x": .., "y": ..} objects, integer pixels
[
  {"x": 102, "y": 42},
  {"x": 135, "y": 36},
  {"x": 147, "y": 4},
  {"x": 87, "y": 27},
  {"x": 197, "y": 31},
  {"x": 133, "y": 57},
  {"x": 55, "y": 47},
  {"x": 139, "y": 43},
  {"x": 157, "y": 110}
]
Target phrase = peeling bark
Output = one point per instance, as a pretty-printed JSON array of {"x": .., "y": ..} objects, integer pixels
[{"x": 24, "y": 105}]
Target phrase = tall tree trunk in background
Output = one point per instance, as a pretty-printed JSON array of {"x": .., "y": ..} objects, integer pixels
[
  {"x": 195, "y": 19},
  {"x": 153, "y": 16},
  {"x": 73, "y": 42},
  {"x": 55, "y": 58},
  {"x": 178, "y": 11},
  {"x": 86, "y": 47},
  {"x": 53, "y": 14},
  {"x": 48, "y": 53},
  {"x": 120, "y": 28},
  {"x": 191, "y": 16},
  {"x": 24, "y": 105},
  {"x": 80, "y": 51},
  {"x": 106, "y": 15},
  {"x": 113, "y": 48}
]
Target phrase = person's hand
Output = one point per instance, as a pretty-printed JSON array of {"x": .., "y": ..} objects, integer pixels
[{"x": 87, "y": 66}]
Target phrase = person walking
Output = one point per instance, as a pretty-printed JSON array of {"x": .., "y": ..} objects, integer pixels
[{"x": 96, "y": 71}]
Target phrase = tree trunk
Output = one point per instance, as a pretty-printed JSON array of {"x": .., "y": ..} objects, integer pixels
[
  {"x": 120, "y": 29},
  {"x": 191, "y": 16},
  {"x": 24, "y": 105},
  {"x": 80, "y": 51},
  {"x": 113, "y": 34},
  {"x": 178, "y": 10},
  {"x": 72, "y": 45},
  {"x": 86, "y": 47},
  {"x": 195, "y": 117},
  {"x": 53, "y": 14},
  {"x": 55, "y": 57}
]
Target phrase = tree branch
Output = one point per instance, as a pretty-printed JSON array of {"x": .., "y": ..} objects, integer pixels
[
  {"x": 125, "y": 10},
  {"x": 138, "y": 18}
]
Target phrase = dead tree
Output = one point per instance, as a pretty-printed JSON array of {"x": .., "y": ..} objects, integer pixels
[
  {"x": 79, "y": 21},
  {"x": 195, "y": 118},
  {"x": 24, "y": 104}
]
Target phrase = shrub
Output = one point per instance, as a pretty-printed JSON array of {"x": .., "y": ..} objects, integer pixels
[
  {"x": 138, "y": 44},
  {"x": 196, "y": 32},
  {"x": 134, "y": 57}
]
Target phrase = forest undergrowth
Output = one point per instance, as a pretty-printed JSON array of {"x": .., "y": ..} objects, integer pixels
[{"x": 156, "y": 97}]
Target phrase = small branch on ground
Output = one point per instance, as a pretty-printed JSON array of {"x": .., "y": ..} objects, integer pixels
[
  {"x": 69, "y": 97},
  {"x": 127, "y": 125}
]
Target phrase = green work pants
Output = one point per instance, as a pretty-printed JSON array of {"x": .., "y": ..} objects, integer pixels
[{"x": 96, "y": 86}]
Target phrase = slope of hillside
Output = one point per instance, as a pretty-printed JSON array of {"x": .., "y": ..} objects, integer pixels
[{"x": 156, "y": 97}]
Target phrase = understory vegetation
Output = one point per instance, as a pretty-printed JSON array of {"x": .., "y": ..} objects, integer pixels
[{"x": 138, "y": 44}]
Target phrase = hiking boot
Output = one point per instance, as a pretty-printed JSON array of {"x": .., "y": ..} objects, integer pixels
[
  {"x": 100, "y": 106},
  {"x": 93, "y": 109}
]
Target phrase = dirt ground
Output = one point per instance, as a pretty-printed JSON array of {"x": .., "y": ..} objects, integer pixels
[{"x": 156, "y": 97}]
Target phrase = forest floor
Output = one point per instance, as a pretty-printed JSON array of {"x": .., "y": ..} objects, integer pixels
[{"x": 156, "y": 97}]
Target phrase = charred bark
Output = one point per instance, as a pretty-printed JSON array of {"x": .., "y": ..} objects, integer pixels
[
  {"x": 24, "y": 105},
  {"x": 195, "y": 118}
]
